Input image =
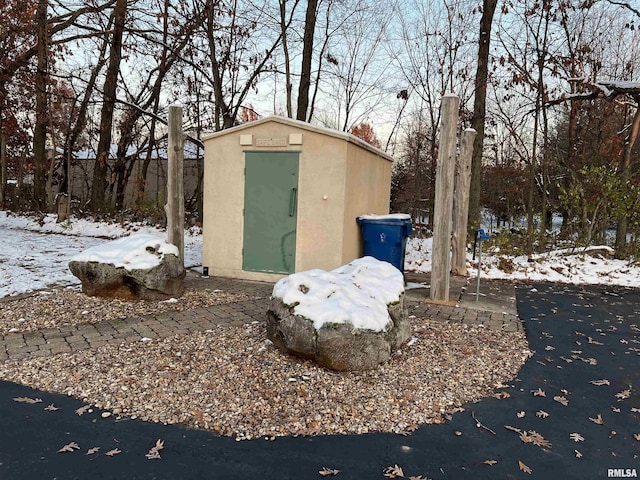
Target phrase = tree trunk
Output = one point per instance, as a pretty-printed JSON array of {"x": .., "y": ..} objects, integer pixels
[
  {"x": 3, "y": 166},
  {"x": 479, "y": 110},
  {"x": 99, "y": 184},
  {"x": 307, "y": 57},
  {"x": 41, "y": 121},
  {"x": 287, "y": 61},
  {"x": 623, "y": 173}
]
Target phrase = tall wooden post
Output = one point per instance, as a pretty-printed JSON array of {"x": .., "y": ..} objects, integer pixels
[
  {"x": 461, "y": 204},
  {"x": 175, "y": 180},
  {"x": 443, "y": 205}
]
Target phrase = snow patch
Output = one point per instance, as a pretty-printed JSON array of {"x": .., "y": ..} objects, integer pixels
[
  {"x": 357, "y": 293},
  {"x": 142, "y": 251}
]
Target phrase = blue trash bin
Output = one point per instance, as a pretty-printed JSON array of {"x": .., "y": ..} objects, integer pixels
[{"x": 385, "y": 237}]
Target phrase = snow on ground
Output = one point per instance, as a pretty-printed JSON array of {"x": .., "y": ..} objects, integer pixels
[
  {"x": 556, "y": 266},
  {"x": 35, "y": 255},
  {"x": 31, "y": 258}
]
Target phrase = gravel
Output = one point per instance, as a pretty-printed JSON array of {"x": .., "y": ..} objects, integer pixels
[
  {"x": 233, "y": 381},
  {"x": 69, "y": 306}
]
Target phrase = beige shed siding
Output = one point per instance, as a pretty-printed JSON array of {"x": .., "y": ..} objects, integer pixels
[
  {"x": 368, "y": 191},
  {"x": 322, "y": 174},
  {"x": 350, "y": 175}
]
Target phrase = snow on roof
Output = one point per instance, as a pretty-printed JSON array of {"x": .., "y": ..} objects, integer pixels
[
  {"x": 357, "y": 293},
  {"x": 141, "y": 251}
]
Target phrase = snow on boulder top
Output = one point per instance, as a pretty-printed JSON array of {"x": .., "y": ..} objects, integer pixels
[
  {"x": 136, "y": 252},
  {"x": 357, "y": 293},
  {"x": 389, "y": 216}
]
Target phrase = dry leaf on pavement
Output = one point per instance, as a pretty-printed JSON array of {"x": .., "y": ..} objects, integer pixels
[
  {"x": 576, "y": 437},
  {"x": 27, "y": 400},
  {"x": 524, "y": 468},
  {"x": 154, "y": 453},
  {"x": 501, "y": 395},
  {"x": 69, "y": 447},
  {"x": 534, "y": 437},
  {"x": 538, "y": 393},
  {"x": 82, "y": 410},
  {"x": 561, "y": 400},
  {"x": 623, "y": 394},
  {"x": 328, "y": 471},
  {"x": 393, "y": 472}
]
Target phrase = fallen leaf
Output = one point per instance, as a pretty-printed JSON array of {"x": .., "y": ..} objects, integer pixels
[
  {"x": 113, "y": 452},
  {"x": 27, "y": 400},
  {"x": 578, "y": 454},
  {"x": 69, "y": 447},
  {"x": 154, "y": 452},
  {"x": 93, "y": 450},
  {"x": 82, "y": 410},
  {"x": 623, "y": 394},
  {"x": 541, "y": 414},
  {"x": 576, "y": 437},
  {"x": 393, "y": 472},
  {"x": 534, "y": 437},
  {"x": 562, "y": 400},
  {"x": 538, "y": 393},
  {"x": 523, "y": 467},
  {"x": 51, "y": 408},
  {"x": 490, "y": 462},
  {"x": 597, "y": 420},
  {"x": 501, "y": 395},
  {"x": 328, "y": 471},
  {"x": 599, "y": 383}
]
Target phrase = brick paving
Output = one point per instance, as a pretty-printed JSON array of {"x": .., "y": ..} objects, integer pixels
[{"x": 51, "y": 341}]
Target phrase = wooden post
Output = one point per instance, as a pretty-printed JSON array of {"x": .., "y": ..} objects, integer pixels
[
  {"x": 443, "y": 205},
  {"x": 175, "y": 180},
  {"x": 461, "y": 204}
]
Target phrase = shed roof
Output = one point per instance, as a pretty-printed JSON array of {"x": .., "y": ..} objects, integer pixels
[{"x": 304, "y": 126}]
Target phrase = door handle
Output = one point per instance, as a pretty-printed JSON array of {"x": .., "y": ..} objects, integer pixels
[{"x": 293, "y": 198}]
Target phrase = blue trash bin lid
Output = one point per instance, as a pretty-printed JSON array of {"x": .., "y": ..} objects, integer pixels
[{"x": 398, "y": 219}]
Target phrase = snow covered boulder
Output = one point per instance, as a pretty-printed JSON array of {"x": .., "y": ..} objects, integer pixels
[
  {"x": 141, "y": 266},
  {"x": 351, "y": 318}
]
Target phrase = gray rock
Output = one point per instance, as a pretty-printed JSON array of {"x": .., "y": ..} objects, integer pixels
[
  {"x": 337, "y": 346},
  {"x": 163, "y": 281}
]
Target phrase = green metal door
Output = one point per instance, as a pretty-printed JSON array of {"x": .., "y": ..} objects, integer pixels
[{"x": 270, "y": 211}]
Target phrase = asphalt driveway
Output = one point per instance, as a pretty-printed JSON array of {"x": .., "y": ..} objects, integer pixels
[{"x": 572, "y": 413}]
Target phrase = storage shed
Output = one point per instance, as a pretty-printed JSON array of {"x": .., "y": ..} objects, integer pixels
[{"x": 282, "y": 196}]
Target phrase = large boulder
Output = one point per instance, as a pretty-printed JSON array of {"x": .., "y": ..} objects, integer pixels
[
  {"x": 351, "y": 318},
  {"x": 141, "y": 266}
]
